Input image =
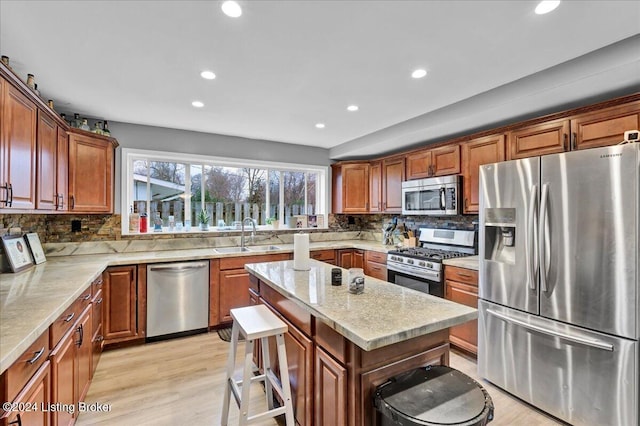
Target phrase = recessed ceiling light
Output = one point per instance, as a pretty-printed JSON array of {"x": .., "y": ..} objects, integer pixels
[
  {"x": 209, "y": 75},
  {"x": 197, "y": 104},
  {"x": 547, "y": 6},
  {"x": 320, "y": 126},
  {"x": 352, "y": 108},
  {"x": 419, "y": 73},
  {"x": 231, "y": 9}
]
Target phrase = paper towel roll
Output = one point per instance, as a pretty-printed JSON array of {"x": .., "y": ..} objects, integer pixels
[{"x": 301, "y": 252}]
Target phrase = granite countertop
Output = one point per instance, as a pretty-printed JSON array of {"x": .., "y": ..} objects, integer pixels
[
  {"x": 31, "y": 300},
  {"x": 470, "y": 262},
  {"x": 384, "y": 314}
]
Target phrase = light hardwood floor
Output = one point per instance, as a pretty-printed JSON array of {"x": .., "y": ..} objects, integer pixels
[{"x": 181, "y": 382}]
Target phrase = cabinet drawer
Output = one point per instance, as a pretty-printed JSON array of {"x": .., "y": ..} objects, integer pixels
[
  {"x": 96, "y": 311},
  {"x": 287, "y": 308},
  {"x": 375, "y": 256},
  {"x": 323, "y": 255},
  {"x": 463, "y": 275},
  {"x": 64, "y": 322},
  {"x": 376, "y": 270},
  {"x": 13, "y": 380},
  {"x": 85, "y": 298}
]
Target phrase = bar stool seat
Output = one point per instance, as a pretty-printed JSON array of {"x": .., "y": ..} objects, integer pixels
[{"x": 257, "y": 322}]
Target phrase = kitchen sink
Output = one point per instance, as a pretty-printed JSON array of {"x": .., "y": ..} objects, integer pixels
[
  {"x": 263, "y": 248},
  {"x": 231, "y": 249}
]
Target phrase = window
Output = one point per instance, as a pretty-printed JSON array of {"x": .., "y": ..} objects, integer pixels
[{"x": 172, "y": 189}]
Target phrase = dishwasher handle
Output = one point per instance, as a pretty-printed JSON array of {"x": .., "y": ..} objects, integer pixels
[{"x": 171, "y": 268}]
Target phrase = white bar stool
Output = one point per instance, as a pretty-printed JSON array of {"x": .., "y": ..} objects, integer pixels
[{"x": 257, "y": 322}]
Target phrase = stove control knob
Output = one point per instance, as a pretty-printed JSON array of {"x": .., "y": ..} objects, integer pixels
[
  {"x": 410, "y": 261},
  {"x": 429, "y": 265},
  {"x": 422, "y": 264}
]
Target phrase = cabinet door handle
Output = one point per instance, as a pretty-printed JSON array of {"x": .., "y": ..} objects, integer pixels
[
  {"x": 564, "y": 141},
  {"x": 70, "y": 317},
  {"x": 464, "y": 275},
  {"x": 6, "y": 194},
  {"x": 99, "y": 301},
  {"x": 17, "y": 421},
  {"x": 466, "y": 204},
  {"x": 574, "y": 137},
  {"x": 9, "y": 195},
  {"x": 36, "y": 356},
  {"x": 87, "y": 297},
  {"x": 80, "y": 331},
  {"x": 72, "y": 199},
  {"x": 61, "y": 201}
]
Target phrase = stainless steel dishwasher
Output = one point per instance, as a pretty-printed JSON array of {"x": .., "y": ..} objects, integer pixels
[{"x": 177, "y": 299}]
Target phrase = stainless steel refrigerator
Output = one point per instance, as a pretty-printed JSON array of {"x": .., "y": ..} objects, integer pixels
[{"x": 558, "y": 310}]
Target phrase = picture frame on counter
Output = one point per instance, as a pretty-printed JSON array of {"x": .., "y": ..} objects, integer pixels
[
  {"x": 16, "y": 252},
  {"x": 33, "y": 240}
]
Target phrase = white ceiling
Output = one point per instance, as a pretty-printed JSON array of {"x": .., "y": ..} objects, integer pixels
[{"x": 285, "y": 65}]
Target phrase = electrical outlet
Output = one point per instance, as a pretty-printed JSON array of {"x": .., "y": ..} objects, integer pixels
[{"x": 76, "y": 226}]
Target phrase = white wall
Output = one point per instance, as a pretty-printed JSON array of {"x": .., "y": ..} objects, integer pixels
[{"x": 189, "y": 142}]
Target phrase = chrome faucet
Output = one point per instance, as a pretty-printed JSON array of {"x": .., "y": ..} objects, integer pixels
[{"x": 253, "y": 233}]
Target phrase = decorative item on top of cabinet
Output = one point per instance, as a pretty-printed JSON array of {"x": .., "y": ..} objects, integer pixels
[
  {"x": 91, "y": 172},
  {"x": 476, "y": 152},
  {"x": 461, "y": 286},
  {"x": 605, "y": 126},
  {"x": 350, "y": 184},
  {"x": 549, "y": 137},
  {"x": 441, "y": 161}
]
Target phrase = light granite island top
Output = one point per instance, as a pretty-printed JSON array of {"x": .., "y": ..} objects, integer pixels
[{"x": 383, "y": 315}]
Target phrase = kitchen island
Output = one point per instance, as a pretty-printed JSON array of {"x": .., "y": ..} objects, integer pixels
[{"x": 341, "y": 346}]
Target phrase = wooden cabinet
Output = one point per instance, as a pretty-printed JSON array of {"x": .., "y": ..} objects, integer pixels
[
  {"x": 91, "y": 171},
  {"x": 85, "y": 350},
  {"x": 461, "y": 286},
  {"x": 328, "y": 256},
  {"x": 229, "y": 284},
  {"x": 36, "y": 393},
  {"x": 18, "y": 118},
  {"x": 120, "y": 305},
  {"x": 375, "y": 187},
  {"x": 350, "y": 258},
  {"x": 375, "y": 264},
  {"x": 351, "y": 188},
  {"x": 64, "y": 375},
  {"x": 604, "y": 127},
  {"x": 330, "y": 390},
  {"x": 62, "y": 167},
  {"x": 476, "y": 152},
  {"x": 441, "y": 161},
  {"x": 549, "y": 137},
  {"x": 392, "y": 178},
  {"x": 47, "y": 153}
]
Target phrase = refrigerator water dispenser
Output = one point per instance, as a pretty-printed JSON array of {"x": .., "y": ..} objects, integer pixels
[{"x": 500, "y": 235}]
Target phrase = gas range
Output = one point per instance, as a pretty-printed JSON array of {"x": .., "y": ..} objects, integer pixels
[{"x": 420, "y": 267}]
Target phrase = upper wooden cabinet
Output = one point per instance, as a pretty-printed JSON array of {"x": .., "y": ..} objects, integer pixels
[
  {"x": 604, "y": 127},
  {"x": 476, "y": 152},
  {"x": 62, "y": 171},
  {"x": 375, "y": 187},
  {"x": 351, "y": 188},
  {"x": 540, "y": 139},
  {"x": 91, "y": 171},
  {"x": 18, "y": 120},
  {"x": 47, "y": 153},
  {"x": 441, "y": 161},
  {"x": 392, "y": 178}
]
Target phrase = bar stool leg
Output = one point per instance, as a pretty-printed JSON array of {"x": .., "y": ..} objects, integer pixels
[
  {"x": 266, "y": 367},
  {"x": 231, "y": 362},
  {"x": 284, "y": 378},
  {"x": 246, "y": 383}
]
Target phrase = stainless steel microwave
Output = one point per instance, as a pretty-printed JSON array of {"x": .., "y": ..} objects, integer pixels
[{"x": 438, "y": 196}]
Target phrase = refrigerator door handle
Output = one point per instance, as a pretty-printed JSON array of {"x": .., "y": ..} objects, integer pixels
[
  {"x": 532, "y": 255},
  {"x": 542, "y": 240},
  {"x": 576, "y": 339}
]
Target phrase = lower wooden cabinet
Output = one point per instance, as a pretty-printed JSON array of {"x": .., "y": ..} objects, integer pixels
[
  {"x": 120, "y": 296},
  {"x": 375, "y": 265},
  {"x": 461, "y": 286},
  {"x": 350, "y": 258},
  {"x": 229, "y": 284},
  {"x": 330, "y": 390},
  {"x": 327, "y": 256},
  {"x": 36, "y": 393},
  {"x": 71, "y": 369}
]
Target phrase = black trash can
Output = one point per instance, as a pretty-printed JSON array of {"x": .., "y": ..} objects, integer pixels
[{"x": 433, "y": 396}]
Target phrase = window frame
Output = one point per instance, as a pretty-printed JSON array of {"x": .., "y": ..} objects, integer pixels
[{"x": 130, "y": 155}]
